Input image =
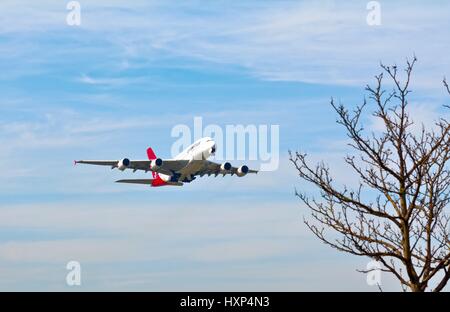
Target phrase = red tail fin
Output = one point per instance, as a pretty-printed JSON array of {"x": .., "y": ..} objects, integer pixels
[
  {"x": 151, "y": 154},
  {"x": 157, "y": 179}
]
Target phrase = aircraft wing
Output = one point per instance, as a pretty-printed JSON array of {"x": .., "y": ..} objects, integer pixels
[
  {"x": 135, "y": 164},
  {"x": 211, "y": 167},
  {"x": 168, "y": 166}
]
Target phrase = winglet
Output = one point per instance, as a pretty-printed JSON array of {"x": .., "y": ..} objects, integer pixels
[{"x": 151, "y": 154}]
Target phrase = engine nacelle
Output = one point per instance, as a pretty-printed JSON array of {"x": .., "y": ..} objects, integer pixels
[
  {"x": 225, "y": 166},
  {"x": 242, "y": 171},
  {"x": 155, "y": 164},
  {"x": 123, "y": 164}
]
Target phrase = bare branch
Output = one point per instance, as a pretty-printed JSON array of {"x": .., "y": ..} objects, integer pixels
[{"x": 407, "y": 227}]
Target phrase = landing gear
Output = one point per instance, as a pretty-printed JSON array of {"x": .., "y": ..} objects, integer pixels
[
  {"x": 176, "y": 178},
  {"x": 186, "y": 180}
]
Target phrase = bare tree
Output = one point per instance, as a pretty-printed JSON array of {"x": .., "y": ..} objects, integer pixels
[{"x": 399, "y": 213}]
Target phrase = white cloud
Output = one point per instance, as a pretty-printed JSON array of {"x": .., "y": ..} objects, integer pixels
[
  {"x": 62, "y": 251},
  {"x": 321, "y": 42},
  {"x": 221, "y": 247},
  {"x": 421, "y": 113},
  {"x": 109, "y": 81}
]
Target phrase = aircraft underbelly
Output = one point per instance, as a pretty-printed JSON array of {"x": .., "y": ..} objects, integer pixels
[{"x": 191, "y": 168}]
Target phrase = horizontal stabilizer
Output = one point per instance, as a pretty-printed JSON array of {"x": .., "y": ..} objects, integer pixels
[
  {"x": 136, "y": 181},
  {"x": 147, "y": 181}
]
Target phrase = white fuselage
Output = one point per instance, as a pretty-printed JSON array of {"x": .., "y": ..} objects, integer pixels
[{"x": 200, "y": 150}]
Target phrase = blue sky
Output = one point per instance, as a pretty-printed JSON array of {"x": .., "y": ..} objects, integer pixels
[{"x": 120, "y": 81}]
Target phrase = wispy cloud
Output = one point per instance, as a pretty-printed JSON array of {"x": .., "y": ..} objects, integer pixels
[
  {"x": 262, "y": 248},
  {"x": 321, "y": 42},
  {"x": 110, "y": 82}
]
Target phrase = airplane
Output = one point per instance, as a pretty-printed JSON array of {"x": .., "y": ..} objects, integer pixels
[{"x": 184, "y": 168}]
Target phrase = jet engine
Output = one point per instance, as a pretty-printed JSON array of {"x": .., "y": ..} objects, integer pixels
[
  {"x": 155, "y": 164},
  {"x": 225, "y": 166},
  {"x": 123, "y": 164},
  {"x": 242, "y": 171}
]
